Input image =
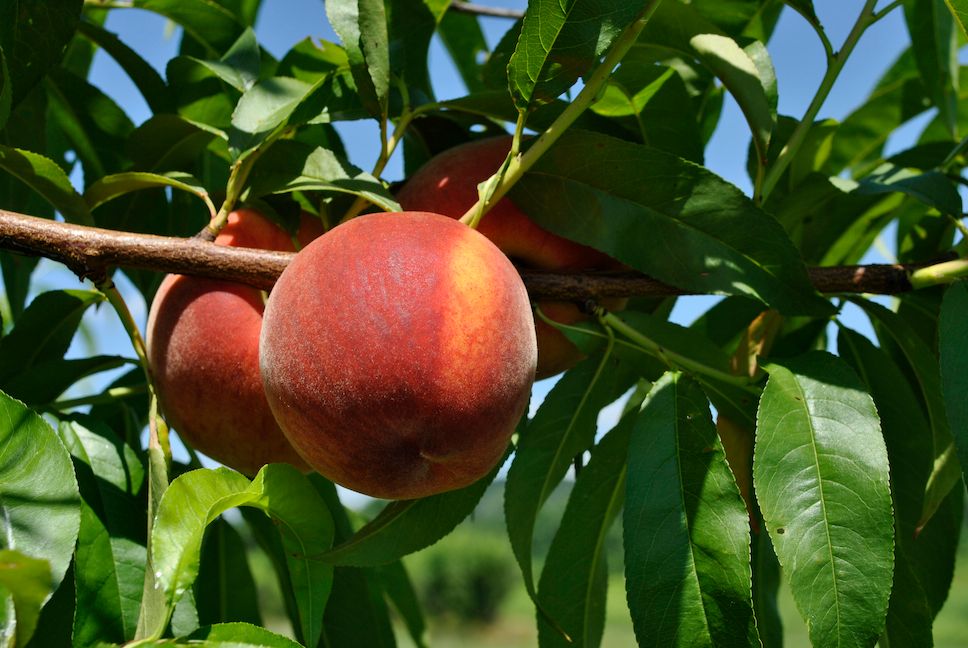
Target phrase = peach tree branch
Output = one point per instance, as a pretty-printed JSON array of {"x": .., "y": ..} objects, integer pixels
[{"x": 90, "y": 252}]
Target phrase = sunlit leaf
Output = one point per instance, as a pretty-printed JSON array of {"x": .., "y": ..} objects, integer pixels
[
  {"x": 48, "y": 180},
  {"x": 38, "y": 491},
  {"x": 362, "y": 26},
  {"x": 119, "y": 184},
  {"x": 821, "y": 475}
]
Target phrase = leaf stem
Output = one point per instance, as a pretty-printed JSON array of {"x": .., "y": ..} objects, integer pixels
[
  {"x": 519, "y": 165},
  {"x": 939, "y": 273},
  {"x": 835, "y": 64},
  {"x": 672, "y": 359}
]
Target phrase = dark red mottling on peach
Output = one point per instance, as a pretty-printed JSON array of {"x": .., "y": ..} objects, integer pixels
[
  {"x": 447, "y": 184},
  {"x": 398, "y": 353},
  {"x": 203, "y": 347}
]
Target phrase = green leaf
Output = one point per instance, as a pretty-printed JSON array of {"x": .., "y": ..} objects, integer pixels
[
  {"x": 45, "y": 381},
  {"x": 263, "y": 108},
  {"x": 6, "y": 90},
  {"x": 225, "y": 589},
  {"x": 410, "y": 26},
  {"x": 109, "y": 565},
  {"x": 921, "y": 359},
  {"x": 48, "y": 180},
  {"x": 195, "y": 499},
  {"x": 166, "y": 142},
  {"x": 310, "y": 60},
  {"x": 686, "y": 530},
  {"x": 715, "y": 239},
  {"x": 653, "y": 102},
  {"x": 34, "y": 36},
  {"x": 959, "y": 11},
  {"x": 924, "y": 562},
  {"x": 934, "y": 43},
  {"x": 561, "y": 41},
  {"x": 899, "y": 95},
  {"x": 357, "y": 614},
  {"x": 293, "y": 166},
  {"x": 821, "y": 474},
  {"x": 119, "y": 184},
  {"x": 240, "y": 65},
  {"x": 405, "y": 526},
  {"x": 932, "y": 188},
  {"x": 464, "y": 40},
  {"x": 563, "y": 427},
  {"x": 211, "y": 24},
  {"x": 28, "y": 582},
  {"x": 228, "y": 635},
  {"x": 746, "y": 80},
  {"x": 574, "y": 579},
  {"x": 400, "y": 591},
  {"x": 44, "y": 331},
  {"x": 362, "y": 26},
  {"x": 954, "y": 366},
  {"x": 200, "y": 96},
  {"x": 149, "y": 83},
  {"x": 38, "y": 491}
]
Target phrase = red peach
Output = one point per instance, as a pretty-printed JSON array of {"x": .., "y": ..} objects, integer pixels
[
  {"x": 447, "y": 184},
  {"x": 398, "y": 353},
  {"x": 203, "y": 348}
]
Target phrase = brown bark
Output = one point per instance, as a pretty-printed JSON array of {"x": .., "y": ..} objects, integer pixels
[{"x": 90, "y": 251}]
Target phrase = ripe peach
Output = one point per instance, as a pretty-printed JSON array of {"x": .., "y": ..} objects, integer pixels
[
  {"x": 447, "y": 184},
  {"x": 203, "y": 348},
  {"x": 398, "y": 353}
]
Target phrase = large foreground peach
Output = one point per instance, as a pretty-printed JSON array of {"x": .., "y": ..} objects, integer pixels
[
  {"x": 203, "y": 348},
  {"x": 447, "y": 184},
  {"x": 398, "y": 353}
]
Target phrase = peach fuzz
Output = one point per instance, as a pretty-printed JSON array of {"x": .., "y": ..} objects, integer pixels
[
  {"x": 447, "y": 184},
  {"x": 398, "y": 353},
  {"x": 203, "y": 349}
]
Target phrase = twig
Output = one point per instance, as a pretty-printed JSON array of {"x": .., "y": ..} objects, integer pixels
[
  {"x": 482, "y": 10},
  {"x": 90, "y": 251}
]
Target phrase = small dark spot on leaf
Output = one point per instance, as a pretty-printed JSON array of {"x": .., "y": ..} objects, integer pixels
[{"x": 781, "y": 531}]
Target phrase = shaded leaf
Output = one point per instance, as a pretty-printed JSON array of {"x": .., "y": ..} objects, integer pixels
[
  {"x": 34, "y": 36},
  {"x": 574, "y": 579},
  {"x": 463, "y": 38},
  {"x": 405, "y": 526},
  {"x": 362, "y": 26},
  {"x": 686, "y": 530},
  {"x": 714, "y": 239},
  {"x": 166, "y": 142},
  {"x": 225, "y": 589},
  {"x": 44, "y": 331},
  {"x": 821, "y": 474},
  {"x": 922, "y": 362},
  {"x": 563, "y": 427},
  {"x": 924, "y": 563},
  {"x": 400, "y": 591},
  {"x": 934, "y": 43},
  {"x": 149, "y": 83},
  {"x": 48, "y": 180},
  {"x": 954, "y": 366},
  {"x": 209, "y": 23},
  {"x": 110, "y": 559},
  {"x": 932, "y": 188}
]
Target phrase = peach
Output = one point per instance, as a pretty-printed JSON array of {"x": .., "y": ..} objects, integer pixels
[
  {"x": 203, "y": 349},
  {"x": 398, "y": 353},
  {"x": 447, "y": 184}
]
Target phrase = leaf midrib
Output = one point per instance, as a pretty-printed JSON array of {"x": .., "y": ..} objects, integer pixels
[{"x": 823, "y": 501}]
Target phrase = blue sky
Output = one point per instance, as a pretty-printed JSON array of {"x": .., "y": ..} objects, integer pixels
[{"x": 795, "y": 49}]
